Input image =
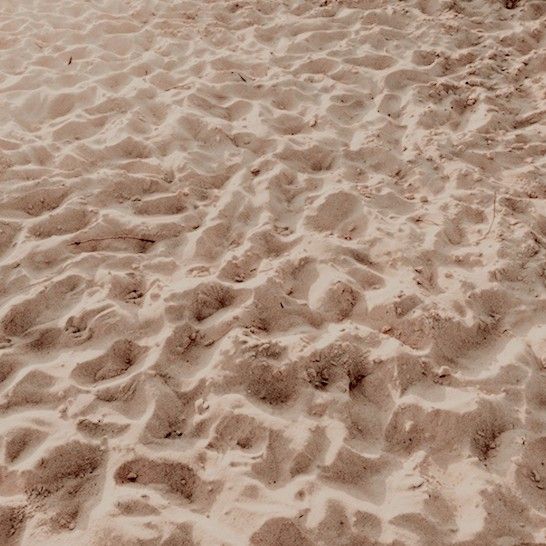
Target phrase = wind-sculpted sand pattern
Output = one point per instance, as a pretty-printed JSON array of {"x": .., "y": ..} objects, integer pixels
[{"x": 272, "y": 272}]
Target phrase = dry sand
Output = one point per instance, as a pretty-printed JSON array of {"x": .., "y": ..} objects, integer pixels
[{"x": 272, "y": 272}]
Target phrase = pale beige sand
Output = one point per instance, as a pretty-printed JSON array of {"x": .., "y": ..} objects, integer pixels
[{"x": 272, "y": 272}]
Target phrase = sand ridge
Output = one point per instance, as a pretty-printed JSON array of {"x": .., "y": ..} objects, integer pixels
[{"x": 272, "y": 272}]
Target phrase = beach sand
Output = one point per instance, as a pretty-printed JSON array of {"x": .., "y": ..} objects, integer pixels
[{"x": 272, "y": 272}]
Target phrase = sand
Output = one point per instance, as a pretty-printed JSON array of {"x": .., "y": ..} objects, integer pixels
[{"x": 272, "y": 272}]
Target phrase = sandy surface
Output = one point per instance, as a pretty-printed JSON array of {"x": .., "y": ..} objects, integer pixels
[{"x": 272, "y": 272}]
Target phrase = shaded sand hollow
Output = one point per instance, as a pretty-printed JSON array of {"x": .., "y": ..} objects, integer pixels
[{"x": 272, "y": 272}]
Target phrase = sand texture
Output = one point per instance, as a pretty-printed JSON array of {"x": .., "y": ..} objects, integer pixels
[{"x": 272, "y": 272}]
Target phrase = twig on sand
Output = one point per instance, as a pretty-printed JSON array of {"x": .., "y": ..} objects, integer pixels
[
  {"x": 179, "y": 86},
  {"x": 493, "y": 217},
  {"x": 98, "y": 239}
]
